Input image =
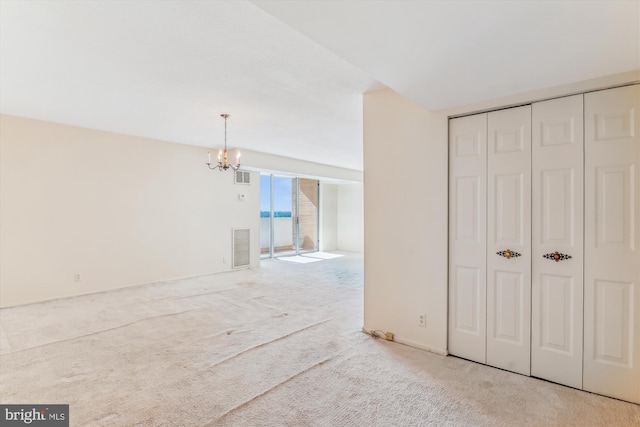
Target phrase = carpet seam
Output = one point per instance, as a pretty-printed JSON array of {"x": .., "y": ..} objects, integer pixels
[
  {"x": 268, "y": 342},
  {"x": 297, "y": 374}
]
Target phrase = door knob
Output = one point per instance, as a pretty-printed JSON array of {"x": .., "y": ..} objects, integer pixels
[
  {"x": 556, "y": 256},
  {"x": 508, "y": 254}
]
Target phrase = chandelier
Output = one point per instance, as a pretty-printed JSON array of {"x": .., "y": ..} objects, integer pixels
[{"x": 223, "y": 161}]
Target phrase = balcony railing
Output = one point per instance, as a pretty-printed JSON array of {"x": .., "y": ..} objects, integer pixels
[{"x": 283, "y": 236}]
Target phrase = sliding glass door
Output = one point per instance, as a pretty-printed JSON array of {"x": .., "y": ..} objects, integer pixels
[
  {"x": 284, "y": 216},
  {"x": 265, "y": 216},
  {"x": 288, "y": 215}
]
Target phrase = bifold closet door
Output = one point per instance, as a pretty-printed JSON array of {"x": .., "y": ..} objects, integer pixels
[
  {"x": 467, "y": 236},
  {"x": 509, "y": 239},
  {"x": 557, "y": 240},
  {"x": 612, "y": 243}
]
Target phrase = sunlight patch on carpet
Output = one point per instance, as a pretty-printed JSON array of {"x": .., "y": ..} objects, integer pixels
[
  {"x": 323, "y": 255},
  {"x": 299, "y": 259}
]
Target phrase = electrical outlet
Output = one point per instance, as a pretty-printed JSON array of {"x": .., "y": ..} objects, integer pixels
[
  {"x": 422, "y": 320},
  {"x": 225, "y": 260},
  {"x": 76, "y": 277}
]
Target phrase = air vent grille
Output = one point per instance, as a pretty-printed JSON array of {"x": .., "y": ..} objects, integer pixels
[
  {"x": 243, "y": 177},
  {"x": 241, "y": 247}
]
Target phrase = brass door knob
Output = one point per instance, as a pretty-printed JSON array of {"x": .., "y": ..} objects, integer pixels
[
  {"x": 556, "y": 256},
  {"x": 508, "y": 254}
]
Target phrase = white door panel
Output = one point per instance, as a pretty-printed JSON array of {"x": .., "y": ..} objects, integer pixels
[
  {"x": 508, "y": 307},
  {"x": 612, "y": 224},
  {"x": 614, "y": 206},
  {"x": 467, "y": 237},
  {"x": 509, "y": 239},
  {"x": 557, "y": 223},
  {"x": 556, "y": 321},
  {"x": 508, "y": 215},
  {"x": 613, "y": 324}
]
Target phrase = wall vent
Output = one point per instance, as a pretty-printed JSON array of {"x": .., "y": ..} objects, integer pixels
[
  {"x": 241, "y": 247},
  {"x": 242, "y": 177}
]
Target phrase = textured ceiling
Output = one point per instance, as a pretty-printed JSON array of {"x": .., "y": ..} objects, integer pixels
[
  {"x": 167, "y": 69},
  {"x": 292, "y": 73}
]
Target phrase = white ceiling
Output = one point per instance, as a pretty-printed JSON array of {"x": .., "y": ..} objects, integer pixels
[
  {"x": 444, "y": 54},
  {"x": 167, "y": 69},
  {"x": 291, "y": 73}
]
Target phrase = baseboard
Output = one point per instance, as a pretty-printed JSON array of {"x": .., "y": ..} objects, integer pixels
[{"x": 420, "y": 346}]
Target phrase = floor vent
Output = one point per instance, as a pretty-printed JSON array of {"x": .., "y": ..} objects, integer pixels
[{"x": 241, "y": 247}]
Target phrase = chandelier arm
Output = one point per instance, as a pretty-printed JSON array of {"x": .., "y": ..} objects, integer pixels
[{"x": 221, "y": 167}]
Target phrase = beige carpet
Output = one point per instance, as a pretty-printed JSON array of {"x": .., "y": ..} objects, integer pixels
[{"x": 280, "y": 346}]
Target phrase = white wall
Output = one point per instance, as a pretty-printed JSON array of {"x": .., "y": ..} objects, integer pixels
[
  {"x": 350, "y": 217},
  {"x": 116, "y": 209},
  {"x": 405, "y": 204},
  {"x": 406, "y": 209}
]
